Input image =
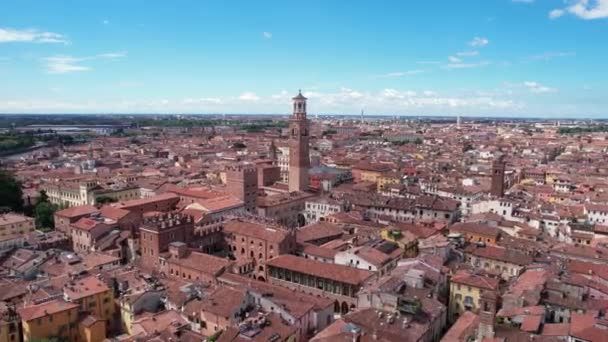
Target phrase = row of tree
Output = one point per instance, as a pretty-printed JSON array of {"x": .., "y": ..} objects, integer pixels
[{"x": 586, "y": 129}]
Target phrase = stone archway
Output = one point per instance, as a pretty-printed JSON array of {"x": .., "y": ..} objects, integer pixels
[
  {"x": 336, "y": 307},
  {"x": 261, "y": 278}
]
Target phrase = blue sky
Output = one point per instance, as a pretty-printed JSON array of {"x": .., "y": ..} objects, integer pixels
[{"x": 544, "y": 58}]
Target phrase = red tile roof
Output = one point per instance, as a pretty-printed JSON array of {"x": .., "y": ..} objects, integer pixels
[
  {"x": 80, "y": 210},
  {"x": 344, "y": 274},
  {"x": 478, "y": 281},
  {"x": 84, "y": 287},
  {"x": 256, "y": 230},
  {"x": 531, "y": 323},
  {"x": 52, "y": 307},
  {"x": 317, "y": 231}
]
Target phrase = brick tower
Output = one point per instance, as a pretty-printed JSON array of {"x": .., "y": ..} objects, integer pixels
[
  {"x": 242, "y": 183},
  {"x": 299, "y": 159},
  {"x": 487, "y": 314},
  {"x": 498, "y": 177}
]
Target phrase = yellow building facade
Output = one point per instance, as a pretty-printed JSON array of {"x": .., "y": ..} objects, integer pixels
[
  {"x": 405, "y": 240},
  {"x": 55, "y": 318},
  {"x": 465, "y": 293},
  {"x": 386, "y": 180}
]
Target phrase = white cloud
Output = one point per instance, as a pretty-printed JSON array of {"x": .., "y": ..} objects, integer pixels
[
  {"x": 267, "y": 35},
  {"x": 203, "y": 100},
  {"x": 350, "y": 93},
  {"x": 402, "y": 73},
  {"x": 551, "y": 55},
  {"x": 284, "y": 94},
  {"x": 453, "y": 59},
  {"x": 112, "y": 55},
  {"x": 537, "y": 88},
  {"x": 584, "y": 9},
  {"x": 478, "y": 41},
  {"x": 467, "y": 53},
  {"x": 64, "y": 64},
  {"x": 556, "y": 13},
  {"x": 8, "y": 35},
  {"x": 249, "y": 96},
  {"x": 343, "y": 100},
  {"x": 465, "y": 65},
  {"x": 67, "y": 64}
]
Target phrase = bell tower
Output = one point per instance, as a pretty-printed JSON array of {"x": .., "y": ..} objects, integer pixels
[
  {"x": 299, "y": 159},
  {"x": 498, "y": 177}
]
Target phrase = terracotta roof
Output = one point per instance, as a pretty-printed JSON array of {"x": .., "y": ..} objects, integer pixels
[
  {"x": 142, "y": 201},
  {"x": 223, "y": 301},
  {"x": 86, "y": 223},
  {"x": 80, "y": 210},
  {"x": 557, "y": 329},
  {"x": 84, "y": 287},
  {"x": 317, "y": 231},
  {"x": 202, "y": 262},
  {"x": 344, "y": 274},
  {"x": 478, "y": 281},
  {"x": 531, "y": 323},
  {"x": 475, "y": 228},
  {"x": 256, "y": 230},
  {"x": 464, "y": 327},
  {"x": 317, "y": 251},
  {"x": 218, "y": 203},
  {"x": 37, "y": 311},
  {"x": 500, "y": 254},
  {"x": 113, "y": 212}
]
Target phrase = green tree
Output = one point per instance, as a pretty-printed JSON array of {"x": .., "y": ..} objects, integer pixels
[
  {"x": 11, "y": 194},
  {"x": 44, "y": 212},
  {"x": 239, "y": 145},
  {"x": 105, "y": 199},
  {"x": 43, "y": 197}
]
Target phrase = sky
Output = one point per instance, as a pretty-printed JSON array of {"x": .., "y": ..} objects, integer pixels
[{"x": 516, "y": 58}]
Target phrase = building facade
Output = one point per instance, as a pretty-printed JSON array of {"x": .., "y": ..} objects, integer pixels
[{"x": 157, "y": 232}]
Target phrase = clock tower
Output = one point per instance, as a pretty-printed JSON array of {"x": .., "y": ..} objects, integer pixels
[{"x": 299, "y": 159}]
